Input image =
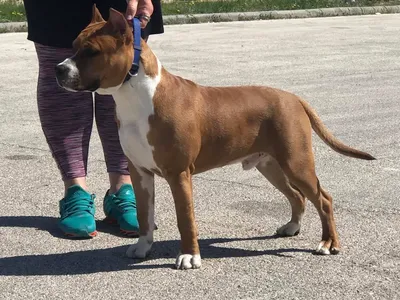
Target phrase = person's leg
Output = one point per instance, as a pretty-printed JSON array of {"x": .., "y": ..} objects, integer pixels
[
  {"x": 116, "y": 162},
  {"x": 67, "y": 119}
]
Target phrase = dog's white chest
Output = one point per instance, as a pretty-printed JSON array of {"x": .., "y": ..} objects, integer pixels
[
  {"x": 133, "y": 138},
  {"x": 134, "y": 106}
]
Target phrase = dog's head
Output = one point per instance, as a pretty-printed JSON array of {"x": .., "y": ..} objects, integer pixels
[{"x": 103, "y": 55}]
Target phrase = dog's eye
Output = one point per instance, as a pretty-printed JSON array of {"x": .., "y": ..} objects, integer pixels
[{"x": 90, "y": 52}]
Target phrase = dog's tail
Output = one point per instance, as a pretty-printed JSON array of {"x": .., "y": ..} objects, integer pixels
[{"x": 329, "y": 138}]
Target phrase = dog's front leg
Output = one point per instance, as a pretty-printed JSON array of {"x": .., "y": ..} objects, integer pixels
[
  {"x": 181, "y": 187},
  {"x": 143, "y": 183}
]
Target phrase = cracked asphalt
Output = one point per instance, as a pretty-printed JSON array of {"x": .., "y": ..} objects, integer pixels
[{"x": 346, "y": 67}]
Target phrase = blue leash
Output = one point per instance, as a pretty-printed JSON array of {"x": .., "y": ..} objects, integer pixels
[{"x": 136, "y": 30}]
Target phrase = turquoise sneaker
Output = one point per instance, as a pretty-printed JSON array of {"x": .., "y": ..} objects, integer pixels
[
  {"x": 77, "y": 213},
  {"x": 120, "y": 208}
]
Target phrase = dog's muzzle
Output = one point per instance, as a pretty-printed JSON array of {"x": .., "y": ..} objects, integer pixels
[{"x": 67, "y": 75}]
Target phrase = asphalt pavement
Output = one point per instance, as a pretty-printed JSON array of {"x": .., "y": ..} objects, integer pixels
[{"x": 346, "y": 67}]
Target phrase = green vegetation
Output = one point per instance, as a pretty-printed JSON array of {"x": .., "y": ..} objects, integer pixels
[
  {"x": 13, "y": 10},
  {"x": 220, "y": 6}
]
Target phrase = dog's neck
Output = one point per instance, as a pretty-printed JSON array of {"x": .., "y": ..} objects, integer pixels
[
  {"x": 149, "y": 68},
  {"x": 148, "y": 61},
  {"x": 136, "y": 95}
]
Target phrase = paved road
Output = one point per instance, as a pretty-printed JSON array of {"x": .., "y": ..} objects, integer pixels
[{"x": 347, "y": 67}]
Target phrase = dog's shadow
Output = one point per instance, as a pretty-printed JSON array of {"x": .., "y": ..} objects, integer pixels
[{"x": 112, "y": 259}]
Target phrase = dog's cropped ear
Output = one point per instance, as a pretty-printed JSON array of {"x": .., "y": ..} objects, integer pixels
[
  {"x": 96, "y": 15},
  {"x": 118, "y": 21}
]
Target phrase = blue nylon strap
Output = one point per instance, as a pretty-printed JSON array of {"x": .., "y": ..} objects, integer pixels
[{"x": 136, "y": 46}]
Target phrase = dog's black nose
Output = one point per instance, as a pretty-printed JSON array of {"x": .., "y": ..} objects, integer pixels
[{"x": 61, "y": 70}]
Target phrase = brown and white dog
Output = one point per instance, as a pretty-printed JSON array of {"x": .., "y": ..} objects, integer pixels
[{"x": 174, "y": 128}]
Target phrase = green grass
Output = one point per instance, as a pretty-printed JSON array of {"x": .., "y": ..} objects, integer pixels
[
  {"x": 13, "y": 10},
  {"x": 196, "y": 7}
]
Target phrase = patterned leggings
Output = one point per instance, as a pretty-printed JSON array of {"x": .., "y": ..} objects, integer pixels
[{"x": 67, "y": 120}]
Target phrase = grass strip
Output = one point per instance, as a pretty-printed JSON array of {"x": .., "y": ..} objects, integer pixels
[{"x": 13, "y": 10}]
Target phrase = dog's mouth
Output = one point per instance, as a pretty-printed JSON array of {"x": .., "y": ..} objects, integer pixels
[
  {"x": 93, "y": 87},
  {"x": 67, "y": 84},
  {"x": 74, "y": 84},
  {"x": 68, "y": 77}
]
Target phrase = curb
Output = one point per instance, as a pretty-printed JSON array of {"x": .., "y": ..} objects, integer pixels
[
  {"x": 13, "y": 27},
  {"x": 281, "y": 14},
  {"x": 250, "y": 16}
]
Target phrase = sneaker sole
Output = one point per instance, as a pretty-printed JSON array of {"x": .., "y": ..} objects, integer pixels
[
  {"x": 110, "y": 221},
  {"x": 129, "y": 233},
  {"x": 89, "y": 235}
]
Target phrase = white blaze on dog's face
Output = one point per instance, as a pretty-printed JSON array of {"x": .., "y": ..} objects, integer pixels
[{"x": 103, "y": 55}]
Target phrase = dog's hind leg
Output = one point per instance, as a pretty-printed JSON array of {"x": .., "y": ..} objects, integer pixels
[
  {"x": 300, "y": 171},
  {"x": 271, "y": 170}
]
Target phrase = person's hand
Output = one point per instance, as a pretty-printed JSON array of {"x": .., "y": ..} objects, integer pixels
[{"x": 142, "y": 8}]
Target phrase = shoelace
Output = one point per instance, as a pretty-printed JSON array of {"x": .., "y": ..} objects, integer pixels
[
  {"x": 77, "y": 205},
  {"x": 124, "y": 205}
]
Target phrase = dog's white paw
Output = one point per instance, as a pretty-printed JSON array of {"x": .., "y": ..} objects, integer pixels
[
  {"x": 323, "y": 249},
  {"x": 140, "y": 249},
  {"x": 188, "y": 261},
  {"x": 289, "y": 229}
]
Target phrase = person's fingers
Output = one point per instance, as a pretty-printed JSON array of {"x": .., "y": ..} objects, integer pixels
[
  {"x": 144, "y": 11},
  {"x": 142, "y": 8},
  {"x": 131, "y": 9},
  {"x": 144, "y": 19}
]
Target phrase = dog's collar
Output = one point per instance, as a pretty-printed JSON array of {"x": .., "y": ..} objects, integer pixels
[{"x": 137, "y": 49}]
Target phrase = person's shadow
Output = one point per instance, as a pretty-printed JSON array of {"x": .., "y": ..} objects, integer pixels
[
  {"x": 49, "y": 224},
  {"x": 112, "y": 259}
]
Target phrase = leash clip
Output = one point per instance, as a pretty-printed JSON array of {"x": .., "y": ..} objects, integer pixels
[{"x": 134, "y": 70}]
